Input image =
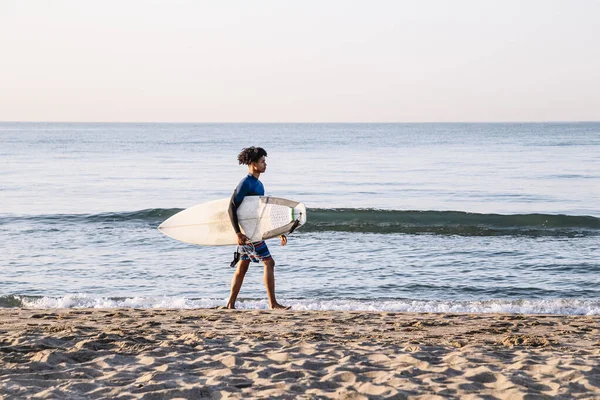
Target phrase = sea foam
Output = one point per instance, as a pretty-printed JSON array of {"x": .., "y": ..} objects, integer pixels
[{"x": 554, "y": 306}]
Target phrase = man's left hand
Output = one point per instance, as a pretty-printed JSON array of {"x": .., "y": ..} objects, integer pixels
[{"x": 283, "y": 239}]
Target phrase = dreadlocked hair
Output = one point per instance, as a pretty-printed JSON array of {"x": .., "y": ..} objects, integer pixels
[{"x": 251, "y": 154}]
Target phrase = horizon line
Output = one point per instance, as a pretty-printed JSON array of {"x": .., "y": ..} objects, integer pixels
[{"x": 306, "y": 122}]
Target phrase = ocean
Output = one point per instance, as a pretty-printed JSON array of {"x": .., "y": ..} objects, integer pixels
[{"x": 448, "y": 217}]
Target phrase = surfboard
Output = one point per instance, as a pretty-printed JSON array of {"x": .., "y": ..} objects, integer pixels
[{"x": 260, "y": 218}]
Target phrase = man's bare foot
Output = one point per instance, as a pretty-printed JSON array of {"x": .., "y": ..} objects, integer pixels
[
  {"x": 278, "y": 306},
  {"x": 230, "y": 306}
]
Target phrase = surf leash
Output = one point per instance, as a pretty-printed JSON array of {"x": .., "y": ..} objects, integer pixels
[{"x": 247, "y": 248}]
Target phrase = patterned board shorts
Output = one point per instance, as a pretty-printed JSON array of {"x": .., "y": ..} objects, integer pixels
[{"x": 260, "y": 253}]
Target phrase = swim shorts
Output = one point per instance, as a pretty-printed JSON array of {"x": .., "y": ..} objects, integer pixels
[{"x": 260, "y": 253}]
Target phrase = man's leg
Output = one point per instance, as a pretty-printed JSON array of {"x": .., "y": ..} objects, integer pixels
[
  {"x": 270, "y": 284},
  {"x": 236, "y": 282}
]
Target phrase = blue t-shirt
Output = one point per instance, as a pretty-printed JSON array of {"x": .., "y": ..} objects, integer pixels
[{"x": 249, "y": 186}]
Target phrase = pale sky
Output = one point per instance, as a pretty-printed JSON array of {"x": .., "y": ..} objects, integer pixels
[{"x": 299, "y": 61}]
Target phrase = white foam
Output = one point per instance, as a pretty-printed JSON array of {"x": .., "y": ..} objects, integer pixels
[{"x": 554, "y": 306}]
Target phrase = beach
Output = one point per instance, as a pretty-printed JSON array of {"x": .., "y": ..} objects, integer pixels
[
  {"x": 464, "y": 265},
  {"x": 216, "y": 353}
]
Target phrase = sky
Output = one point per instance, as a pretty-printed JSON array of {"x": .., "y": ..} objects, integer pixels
[{"x": 300, "y": 61}]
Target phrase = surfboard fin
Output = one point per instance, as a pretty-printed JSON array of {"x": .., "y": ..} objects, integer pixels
[{"x": 296, "y": 223}]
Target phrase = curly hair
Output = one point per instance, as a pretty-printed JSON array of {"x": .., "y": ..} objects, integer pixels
[{"x": 251, "y": 154}]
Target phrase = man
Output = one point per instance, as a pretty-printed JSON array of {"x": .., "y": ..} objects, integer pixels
[{"x": 255, "y": 159}]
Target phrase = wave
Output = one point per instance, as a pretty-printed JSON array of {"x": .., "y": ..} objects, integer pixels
[
  {"x": 152, "y": 215},
  {"x": 522, "y": 306},
  {"x": 369, "y": 221},
  {"x": 450, "y": 223}
]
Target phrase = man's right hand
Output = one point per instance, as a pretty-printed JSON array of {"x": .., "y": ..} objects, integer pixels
[{"x": 242, "y": 239}]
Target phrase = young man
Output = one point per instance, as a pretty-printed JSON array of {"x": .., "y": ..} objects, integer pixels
[{"x": 254, "y": 158}]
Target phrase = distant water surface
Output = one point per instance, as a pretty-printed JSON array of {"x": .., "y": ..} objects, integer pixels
[{"x": 402, "y": 217}]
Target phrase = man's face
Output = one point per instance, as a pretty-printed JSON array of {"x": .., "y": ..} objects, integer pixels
[{"x": 261, "y": 164}]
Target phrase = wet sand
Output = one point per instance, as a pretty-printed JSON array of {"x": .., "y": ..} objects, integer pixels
[{"x": 206, "y": 353}]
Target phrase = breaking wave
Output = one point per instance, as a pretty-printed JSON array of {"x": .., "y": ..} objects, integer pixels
[
  {"x": 533, "y": 306},
  {"x": 369, "y": 221}
]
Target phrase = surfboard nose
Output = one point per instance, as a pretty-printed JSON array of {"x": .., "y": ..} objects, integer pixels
[{"x": 162, "y": 226}]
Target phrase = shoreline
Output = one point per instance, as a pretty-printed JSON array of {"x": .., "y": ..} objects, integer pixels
[
  {"x": 217, "y": 353},
  {"x": 562, "y": 306}
]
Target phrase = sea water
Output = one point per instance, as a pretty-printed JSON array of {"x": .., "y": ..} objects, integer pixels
[{"x": 401, "y": 217}]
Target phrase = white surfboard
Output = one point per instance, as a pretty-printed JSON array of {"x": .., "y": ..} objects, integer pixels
[{"x": 260, "y": 218}]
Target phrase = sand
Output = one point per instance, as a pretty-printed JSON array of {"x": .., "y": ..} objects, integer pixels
[{"x": 205, "y": 353}]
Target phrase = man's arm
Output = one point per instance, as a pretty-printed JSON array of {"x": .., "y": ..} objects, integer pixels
[
  {"x": 236, "y": 199},
  {"x": 233, "y": 213}
]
